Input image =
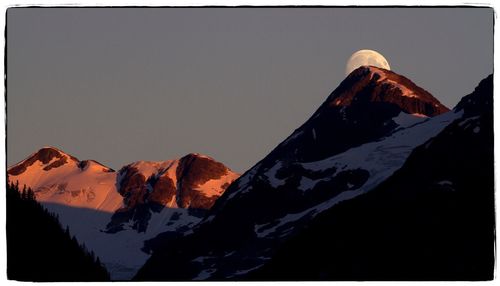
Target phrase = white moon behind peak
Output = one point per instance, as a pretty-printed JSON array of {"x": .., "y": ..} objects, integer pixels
[{"x": 366, "y": 58}]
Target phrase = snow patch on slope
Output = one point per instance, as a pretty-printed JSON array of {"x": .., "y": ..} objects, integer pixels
[
  {"x": 381, "y": 159},
  {"x": 148, "y": 168},
  {"x": 120, "y": 252},
  {"x": 213, "y": 187},
  {"x": 69, "y": 185},
  {"x": 271, "y": 175},
  {"x": 406, "y": 120}
]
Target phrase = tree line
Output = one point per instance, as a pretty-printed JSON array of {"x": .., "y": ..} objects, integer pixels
[{"x": 39, "y": 248}]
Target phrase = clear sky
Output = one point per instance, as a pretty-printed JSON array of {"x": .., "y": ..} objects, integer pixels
[{"x": 121, "y": 85}]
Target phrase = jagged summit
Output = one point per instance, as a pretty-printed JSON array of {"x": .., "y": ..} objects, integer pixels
[
  {"x": 373, "y": 84},
  {"x": 194, "y": 181},
  {"x": 48, "y": 157},
  {"x": 53, "y": 149},
  {"x": 363, "y": 108},
  {"x": 48, "y": 152}
]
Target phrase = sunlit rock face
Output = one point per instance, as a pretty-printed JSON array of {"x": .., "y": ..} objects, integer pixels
[
  {"x": 373, "y": 84},
  {"x": 193, "y": 182}
]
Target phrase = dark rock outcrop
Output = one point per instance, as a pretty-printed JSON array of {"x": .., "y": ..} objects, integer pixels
[{"x": 193, "y": 171}]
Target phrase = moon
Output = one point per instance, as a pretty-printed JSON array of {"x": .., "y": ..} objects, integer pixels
[{"x": 366, "y": 58}]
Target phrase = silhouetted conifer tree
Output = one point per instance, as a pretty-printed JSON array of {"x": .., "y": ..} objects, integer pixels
[
  {"x": 23, "y": 194},
  {"x": 39, "y": 249}
]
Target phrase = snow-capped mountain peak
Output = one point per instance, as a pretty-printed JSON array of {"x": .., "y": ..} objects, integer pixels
[
  {"x": 47, "y": 158},
  {"x": 120, "y": 210},
  {"x": 373, "y": 84},
  {"x": 60, "y": 178}
]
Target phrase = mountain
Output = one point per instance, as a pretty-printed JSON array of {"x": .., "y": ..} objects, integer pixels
[
  {"x": 193, "y": 183},
  {"x": 361, "y": 134},
  {"x": 57, "y": 177},
  {"x": 38, "y": 249},
  {"x": 359, "y": 110},
  {"x": 113, "y": 213},
  {"x": 434, "y": 219}
]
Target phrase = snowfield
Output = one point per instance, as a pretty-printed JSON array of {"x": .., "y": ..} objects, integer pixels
[{"x": 381, "y": 159}]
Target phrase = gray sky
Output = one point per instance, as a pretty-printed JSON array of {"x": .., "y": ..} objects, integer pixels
[{"x": 120, "y": 85}]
